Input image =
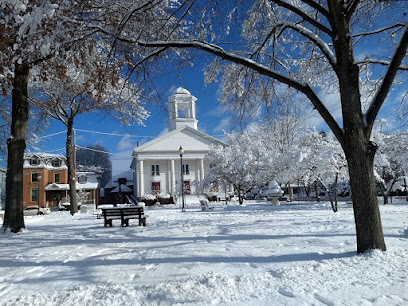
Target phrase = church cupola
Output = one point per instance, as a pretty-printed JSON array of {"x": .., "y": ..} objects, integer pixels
[{"x": 182, "y": 110}]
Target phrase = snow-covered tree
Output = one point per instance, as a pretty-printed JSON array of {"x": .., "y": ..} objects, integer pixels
[
  {"x": 83, "y": 83},
  {"x": 92, "y": 158},
  {"x": 315, "y": 48},
  {"x": 30, "y": 33},
  {"x": 320, "y": 162},
  {"x": 242, "y": 163},
  {"x": 390, "y": 163}
]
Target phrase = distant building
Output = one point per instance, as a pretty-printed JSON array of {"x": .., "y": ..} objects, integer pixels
[
  {"x": 157, "y": 165},
  {"x": 120, "y": 186},
  {"x": 45, "y": 181},
  {"x": 3, "y": 175}
]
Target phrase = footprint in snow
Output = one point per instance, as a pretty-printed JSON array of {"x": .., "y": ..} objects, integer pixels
[
  {"x": 323, "y": 300},
  {"x": 286, "y": 292}
]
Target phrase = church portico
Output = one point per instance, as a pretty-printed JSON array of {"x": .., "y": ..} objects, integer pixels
[{"x": 164, "y": 176}]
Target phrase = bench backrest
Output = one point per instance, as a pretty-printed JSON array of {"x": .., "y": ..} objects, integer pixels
[{"x": 123, "y": 211}]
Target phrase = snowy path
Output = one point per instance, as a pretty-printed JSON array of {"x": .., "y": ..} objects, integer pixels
[{"x": 256, "y": 254}]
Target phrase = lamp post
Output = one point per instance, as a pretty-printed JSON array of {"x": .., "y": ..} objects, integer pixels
[
  {"x": 39, "y": 193},
  {"x": 181, "y": 152}
]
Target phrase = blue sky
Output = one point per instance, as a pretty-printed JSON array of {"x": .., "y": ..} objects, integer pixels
[{"x": 211, "y": 120}]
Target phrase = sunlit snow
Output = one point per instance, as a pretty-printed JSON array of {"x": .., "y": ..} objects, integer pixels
[{"x": 255, "y": 254}]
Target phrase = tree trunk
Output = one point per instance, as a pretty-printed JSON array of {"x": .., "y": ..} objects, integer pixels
[
  {"x": 289, "y": 191},
  {"x": 14, "y": 217},
  {"x": 327, "y": 189},
  {"x": 335, "y": 191},
  {"x": 240, "y": 198},
  {"x": 385, "y": 197},
  {"x": 71, "y": 169},
  {"x": 365, "y": 203},
  {"x": 316, "y": 191}
]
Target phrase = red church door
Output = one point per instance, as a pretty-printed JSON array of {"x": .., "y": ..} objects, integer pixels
[
  {"x": 155, "y": 187},
  {"x": 187, "y": 189}
]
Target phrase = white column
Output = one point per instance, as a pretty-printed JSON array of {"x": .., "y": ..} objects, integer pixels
[
  {"x": 168, "y": 180},
  {"x": 202, "y": 169},
  {"x": 141, "y": 178},
  {"x": 173, "y": 177},
  {"x": 198, "y": 172}
]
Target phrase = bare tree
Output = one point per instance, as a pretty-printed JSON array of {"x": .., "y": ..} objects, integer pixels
[{"x": 308, "y": 46}]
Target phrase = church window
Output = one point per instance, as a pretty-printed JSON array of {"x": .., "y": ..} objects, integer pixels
[
  {"x": 155, "y": 170},
  {"x": 186, "y": 169}
]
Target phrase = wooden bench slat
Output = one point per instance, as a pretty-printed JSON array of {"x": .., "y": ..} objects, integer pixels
[{"x": 125, "y": 214}]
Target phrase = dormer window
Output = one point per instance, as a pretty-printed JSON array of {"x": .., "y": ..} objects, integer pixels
[
  {"x": 56, "y": 162},
  {"x": 82, "y": 179},
  {"x": 34, "y": 161}
]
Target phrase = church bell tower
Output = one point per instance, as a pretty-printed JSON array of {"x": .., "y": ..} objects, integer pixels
[{"x": 182, "y": 109}]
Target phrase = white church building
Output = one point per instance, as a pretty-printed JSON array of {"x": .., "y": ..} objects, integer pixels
[{"x": 157, "y": 163}]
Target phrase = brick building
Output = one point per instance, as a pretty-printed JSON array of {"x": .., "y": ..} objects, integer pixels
[{"x": 45, "y": 181}]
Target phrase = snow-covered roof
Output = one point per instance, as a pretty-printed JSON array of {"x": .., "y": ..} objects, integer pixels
[
  {"x": 128, "y": 175},
  {"x": 182, "y": 91},
  {"x": 87, "y": 186},
  {"x": 123, "y": 188},
  {"x": 44, "y": 155},
  {"x": 91, "y": 180},
  {"x": 45, "y": 161},
  {"x": 169, "y": 134}
]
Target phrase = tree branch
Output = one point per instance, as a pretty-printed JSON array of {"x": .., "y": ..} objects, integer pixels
[
  {"x": 382, "y": 92},
  {"x": 315, "y": 39},
  {"x": 218, "y": 51},
  {"x": 380, "y": 62},
  {"x": 351, "y": 7},
  {"x": 378, "y": 31},
  {"x": 303, "y": 15},
  {"x": 317, "y": 7}
]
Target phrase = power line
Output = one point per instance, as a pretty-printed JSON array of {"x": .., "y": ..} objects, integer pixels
[
  {"x": 53, "y": 134},
  {"x": 113, "y": 134},
  {"x": 105, "y": 152},
  {"x": 97, "y": 132}
]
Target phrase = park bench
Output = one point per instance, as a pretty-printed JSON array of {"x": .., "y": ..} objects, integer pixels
[{"x": 124, "y": 214}]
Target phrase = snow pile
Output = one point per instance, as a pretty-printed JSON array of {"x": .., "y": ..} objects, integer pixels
[{"x": 255, "y": 254}]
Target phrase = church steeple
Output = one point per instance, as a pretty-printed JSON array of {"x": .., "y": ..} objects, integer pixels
[{"x": 182, "y": 110}]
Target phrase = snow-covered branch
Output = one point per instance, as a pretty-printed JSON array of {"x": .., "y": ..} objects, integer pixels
[
  {"x": 384, "y": 88},
  {"x": 314, "y": 38},
  {"x": 379, "y": 62},
  {"x": 305, "y": 16}
]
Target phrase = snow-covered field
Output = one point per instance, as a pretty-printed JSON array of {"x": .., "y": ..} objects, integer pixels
[{"x": 255, "y": 254}]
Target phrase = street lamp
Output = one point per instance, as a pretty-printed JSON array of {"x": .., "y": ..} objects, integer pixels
[
  {"x": 39, "y": 187},
  {"x": 181, "y": 152}
]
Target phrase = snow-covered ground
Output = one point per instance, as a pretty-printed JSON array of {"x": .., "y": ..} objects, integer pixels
[{"x": 255, "y": 254}]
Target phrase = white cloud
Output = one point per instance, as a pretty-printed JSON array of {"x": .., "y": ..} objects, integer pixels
[
  {"x": 225, "y": 122},
  {"x": 126, "y": 143}
]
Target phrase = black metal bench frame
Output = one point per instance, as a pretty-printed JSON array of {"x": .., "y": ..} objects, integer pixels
[{"x": 124, "y": 214}]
